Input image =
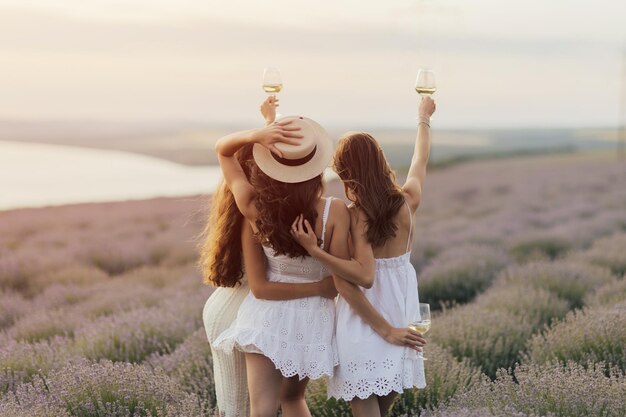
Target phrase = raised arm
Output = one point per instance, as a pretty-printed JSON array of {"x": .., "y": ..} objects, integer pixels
[
  {"x": 254, "y": 261},
  {"x": 268, "y": 109},
  {"x": 227, "y": 146},
  {"x": 361, "y": 267},
  {"x": 417, "y": 171}
]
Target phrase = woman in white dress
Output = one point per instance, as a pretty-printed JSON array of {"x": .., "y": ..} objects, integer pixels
[
  {"x": 375, "y": 346},
  {"x": 221, "y": 261},
  {"x": 286, "y": 342}
]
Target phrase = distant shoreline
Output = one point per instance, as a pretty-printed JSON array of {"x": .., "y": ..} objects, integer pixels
[
  {"x": 335, "y": 188},
  {"x": 193, "y": 145}
]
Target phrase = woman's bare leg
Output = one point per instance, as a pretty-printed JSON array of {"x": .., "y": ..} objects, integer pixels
[
  {"x": 368, "y": 407},
  {"x": 385, "y": 402},
  {"x": 264, "y": 384},
  {"x": 292, "y": 397}
]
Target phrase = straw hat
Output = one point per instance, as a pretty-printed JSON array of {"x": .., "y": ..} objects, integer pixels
[{"x": 299, "y": 162}]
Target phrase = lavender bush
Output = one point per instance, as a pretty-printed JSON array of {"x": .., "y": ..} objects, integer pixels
[
  {"x": 65, "y": 296},
  {"x": 445, "y": 378},
  {"x": 493, "y": 331},
  {"x": 132, "y": 336},
  {"x": 489, "y": 341},
  {"x": 11, "y": 408},
  {"x": 76, "y": 274},
  {"x": 12, "y": 306},
  {"x": 567, "y": 279},
  {"x": 536, "y": 305},
  {"x": 42, "y": 325},
  {"x": 608, "y": 252},
  {"x": 608, "y": 294},
  {"x": 191, "y": 365},
  {"x": 549, "y": 390},
  {"x": 107, "y": 389},
  {"x": 458, "y": 274},
  {"x": 480, "y": 412},
  {"x": 21, "y": 361},
  {"x": 538, "y": 244},
  {"x": 594, "y": 335}
]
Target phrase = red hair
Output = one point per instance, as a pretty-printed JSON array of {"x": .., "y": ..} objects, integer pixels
[
  {"x": 278, "y": 204},
  {"x": 361, "y": 164},
  {"x": 220, "y": 251}
]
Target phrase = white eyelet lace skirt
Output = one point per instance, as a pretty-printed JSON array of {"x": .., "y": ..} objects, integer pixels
[
  {"x": 298, "y": 336},
  {"x": 369, "y": 365}
]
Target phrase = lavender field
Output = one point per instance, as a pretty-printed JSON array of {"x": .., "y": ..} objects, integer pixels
[{"x": 523, "y": 259}]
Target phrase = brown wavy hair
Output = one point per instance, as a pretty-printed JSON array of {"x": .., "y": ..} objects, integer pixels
[
  {"x": 361, "y": 164},
  {"x": 278, "y": 204},
  {"x": 220, "y": 248}
]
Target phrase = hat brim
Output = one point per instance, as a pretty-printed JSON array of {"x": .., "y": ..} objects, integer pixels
[{"x": 300, "y": 173}]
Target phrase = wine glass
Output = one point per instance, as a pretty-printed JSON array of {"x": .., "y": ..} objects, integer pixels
[
  {"x": 421, "y": 324},
  {"x": 425, "y": 82},
  {"x": 272, "y": 82}
]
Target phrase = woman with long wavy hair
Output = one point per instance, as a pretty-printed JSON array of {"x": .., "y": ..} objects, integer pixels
[
  {"x": 285, "y": 342},
  {"x": 221, "y": 261},
  {"x": 375, "y": 345}
]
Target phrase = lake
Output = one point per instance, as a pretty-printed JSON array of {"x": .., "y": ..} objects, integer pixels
[{"x": 35, "y": 175}]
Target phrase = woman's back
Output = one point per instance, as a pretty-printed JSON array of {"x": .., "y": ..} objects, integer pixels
[
  {"x": 399, "y": 244},
  {"x": 285, "y": 268}
]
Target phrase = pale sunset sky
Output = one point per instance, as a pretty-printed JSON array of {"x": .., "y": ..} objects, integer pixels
[{"x": 533, "y": 63}]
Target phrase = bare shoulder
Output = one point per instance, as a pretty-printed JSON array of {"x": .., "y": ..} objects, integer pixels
[
  {"x": 413, "y": 196},
  {"x": 339, "y": 210}
]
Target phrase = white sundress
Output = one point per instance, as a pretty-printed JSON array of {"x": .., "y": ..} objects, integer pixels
[
  {"x": 298, "y": 335},
  {"x": 369, "y": 364}
]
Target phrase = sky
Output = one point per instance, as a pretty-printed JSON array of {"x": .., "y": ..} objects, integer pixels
[{"x": 348, "y": 63}]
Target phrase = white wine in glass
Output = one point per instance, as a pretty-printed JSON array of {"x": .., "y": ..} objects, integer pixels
[
  {"x": 272, "y": 82},
  {"x": 422, "y": 324},
  {"x": 272, "y": 88},
  {"x": 425, "y": 82}
]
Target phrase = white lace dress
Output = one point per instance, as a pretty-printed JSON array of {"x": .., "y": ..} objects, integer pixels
[
  {"x": 298, "y": 336},
  {"x": 369, "y": 364}
]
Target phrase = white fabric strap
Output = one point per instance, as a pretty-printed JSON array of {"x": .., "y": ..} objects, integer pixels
[
  {"x": 324, "y": 219},
  {"x": 408, "y": 241}
]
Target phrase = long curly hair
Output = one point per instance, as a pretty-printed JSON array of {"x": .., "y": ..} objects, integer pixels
[
  {"x": 361, "y": 164},
  {"x": 220, "y": 247},
  {"x": 278, "y": 204}
]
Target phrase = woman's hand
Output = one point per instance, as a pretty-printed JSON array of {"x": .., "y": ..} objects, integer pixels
[
  {"x": 404, "y": 336},
  {"x": 277, "y": 132},
  {"x": 302, "y": 231},
  {"x": 327, "y": 288},
  {"x": 427, "y": 107},
  {"x": 268, "y": 109}
]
